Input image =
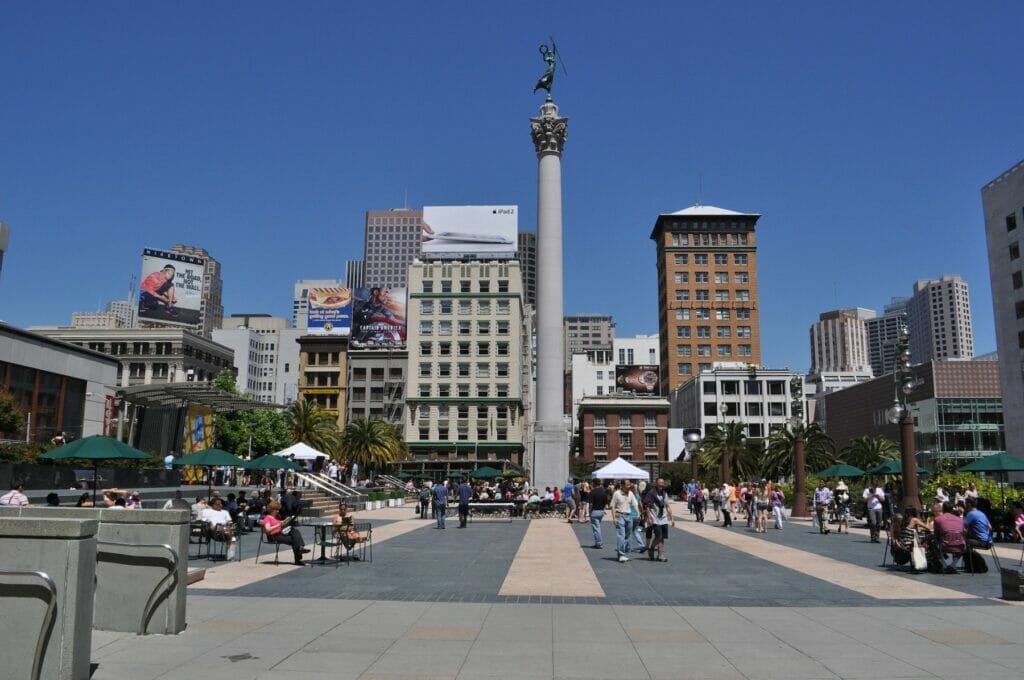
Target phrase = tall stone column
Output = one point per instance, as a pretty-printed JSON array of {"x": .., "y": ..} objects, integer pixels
[{"x": 551, "y": 439}]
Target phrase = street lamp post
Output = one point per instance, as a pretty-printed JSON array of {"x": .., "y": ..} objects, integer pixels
[
  {"x": 796, "y": 393},
  {"x": 691, "y": 440},
  {"x": 899, "y": 414}
]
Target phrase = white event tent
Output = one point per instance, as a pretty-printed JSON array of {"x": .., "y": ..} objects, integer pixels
[
  {"x": 620, "y": 468},
  {"x": 301, "y": 451}
]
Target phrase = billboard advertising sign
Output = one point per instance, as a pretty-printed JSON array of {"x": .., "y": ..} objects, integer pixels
[
  {"x": 172, "y": 288},
  {"x": 641, "y": 378},
  {"x": 330, "y": 311},
  {"x": 378, "y": 315},
  {"x": 109, "y": 415},
  {"x": 477, "y": 231}
]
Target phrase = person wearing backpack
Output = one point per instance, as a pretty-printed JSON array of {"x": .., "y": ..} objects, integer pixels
[{"x": 698, "y": 502}]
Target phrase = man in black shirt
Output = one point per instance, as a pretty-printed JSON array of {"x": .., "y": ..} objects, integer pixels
[{"x": 598, "y": 503}]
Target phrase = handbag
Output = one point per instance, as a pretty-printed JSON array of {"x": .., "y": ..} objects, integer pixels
[{"x": 918, "y": 560}]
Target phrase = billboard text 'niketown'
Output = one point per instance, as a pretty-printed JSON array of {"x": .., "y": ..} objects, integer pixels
[
  {"x": 330, "y": 311},
  {"x": 473, "y": 231},
  {"x": 172, "y": 288}
]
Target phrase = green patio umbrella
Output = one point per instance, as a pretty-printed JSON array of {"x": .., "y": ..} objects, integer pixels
[
  {"x": 209, "y": 458},
  {"x": 96, "y": 448},
  {"x": 999, "y": 462},
  {"x": 486, "y": 472},
  {"x": 841, "y": 470},
  {"x": 893, "y": 467}
]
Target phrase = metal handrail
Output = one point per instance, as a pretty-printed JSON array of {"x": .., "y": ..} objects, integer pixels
[
  {"x": 169, "y": 580},
  {"x": 40, "y": 578},
  {"x": 393, "y": 480},
  {"x": 327, "y": 484}
]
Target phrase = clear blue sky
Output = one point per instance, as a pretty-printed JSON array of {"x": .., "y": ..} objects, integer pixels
[{"x": 262, "y": 131}]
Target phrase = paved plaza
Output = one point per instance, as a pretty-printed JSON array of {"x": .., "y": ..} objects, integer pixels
[{"x": 532, "y": 599}]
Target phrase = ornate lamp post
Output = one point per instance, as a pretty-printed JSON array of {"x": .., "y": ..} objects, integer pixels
[
  {"x": 691, "y": 439},
  {"x": 899, "y": 414},
  {"x": 796, "y": 409}
]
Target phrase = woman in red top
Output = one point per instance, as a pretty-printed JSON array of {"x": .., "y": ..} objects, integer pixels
[{"x": 278, "y": 531}]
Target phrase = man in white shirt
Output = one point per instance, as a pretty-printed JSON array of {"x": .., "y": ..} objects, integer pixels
[
  {"x": 218, "y": 520},
  {"x": 874, "y": 496},
  {"x": 16, "y": 495}
]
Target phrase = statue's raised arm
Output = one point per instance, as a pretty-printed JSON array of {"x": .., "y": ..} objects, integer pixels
[{"x": 550, "y": 56}]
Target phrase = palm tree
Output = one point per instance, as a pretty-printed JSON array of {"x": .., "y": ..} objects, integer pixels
[
  {"x": 721, "y": 445},
  {"x": 819, "y": 450},
  {"x": 372, "y": 442},
  {"x": 869, "y": 452},
  {"x": 310, "y": 424}
]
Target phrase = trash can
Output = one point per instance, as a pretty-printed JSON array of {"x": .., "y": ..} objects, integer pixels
[{"x": 1013, "y": 584}]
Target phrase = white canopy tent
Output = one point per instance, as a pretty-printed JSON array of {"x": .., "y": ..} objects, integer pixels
[
  {"x": 301, "y": 451},
  {"x": 621, "y": 468}
]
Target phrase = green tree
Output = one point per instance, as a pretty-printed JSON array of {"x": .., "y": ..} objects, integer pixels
[
  {"x": 310, "y": 424},
  {"x": 12, "y": 420},
  {"x": 233, "y": 429},
  {"x": 819, "y": 450},
  {"x": 721, "y": 446},
  {"x": 869, "y": 452},
  {"x": 372, "y": 443},
  {"x": 225, "y": 380}
]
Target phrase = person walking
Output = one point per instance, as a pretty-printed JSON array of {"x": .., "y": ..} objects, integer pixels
[
  {"x": 623, "y": 502},
  {"x": 465, "y": 493},
  {"x": 778, "y": 506},
  {"x": 440, "y": 494},
  {"x": 598, "y": 503},
  {"x": 762, "y": 503},
  {"x": 842, "y": 503},
  {"x": 874, "y": 497},
  {"x": 584, "y": 490},
  {"x": 716, "y": 502},
  {"x": 822, "y": 501},
  {"x": 725, "y": 493},
  {"x": 659, "y": 515},
  {"x": 698, "y": 503}
]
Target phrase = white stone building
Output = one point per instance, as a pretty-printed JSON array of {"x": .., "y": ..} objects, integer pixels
[
  {"x": 939, "y": 320},
  {"x": 266, "y": 356}
]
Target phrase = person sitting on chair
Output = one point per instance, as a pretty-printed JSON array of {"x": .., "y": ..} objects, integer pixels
[
  {"x": 977, "y": 526},
  {"x": 278, "y": 531},
  {"x": 344, "y": 528},
  {"x": 218, "y": 521},
  {"x": 949, "y": 535}
]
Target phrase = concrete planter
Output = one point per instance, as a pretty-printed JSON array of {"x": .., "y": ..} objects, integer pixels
[{"x": 370, "y": 505}]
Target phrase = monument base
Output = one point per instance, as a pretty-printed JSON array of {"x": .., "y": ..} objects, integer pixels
[{"x": 550, "y": 457}]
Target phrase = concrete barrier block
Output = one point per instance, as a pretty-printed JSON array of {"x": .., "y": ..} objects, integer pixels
[{"x": 65, "y": 549}]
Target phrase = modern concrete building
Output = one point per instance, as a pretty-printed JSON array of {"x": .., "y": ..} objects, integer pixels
[
  {"x": 150, "y": 355},
  {"x": 733, "y": 392},
  {"x": 634, "y": 427},
  {"x": 839, "y": 341},
  {"x": 97, "y": 320},
  {"x": 527, "y": 256},
  {"x": 300, "y": 298},
  {"x": 939, "y": 320},
  {"x": 211, "y": 311},
  {"x": 467, "y": 347},
  {"x": 60, "y": 387},
  {"x": 1003, "y": 204},
  {"x": 883, "y": 334},
  {"x": 323, "y": 368},
  {"x": 266, "y": 355},
  {"x": 708, "y": 307},
  {"x": 392, "y": 241},
  {"x": 956, "y": 406},
  {"x": 582, "y": 332},
  {"x": 377, "y": 379}
]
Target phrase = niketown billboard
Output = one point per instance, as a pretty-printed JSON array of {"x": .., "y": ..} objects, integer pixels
[{"x": 479, "y": 232}]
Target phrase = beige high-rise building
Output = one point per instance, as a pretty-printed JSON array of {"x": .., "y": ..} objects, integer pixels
[
  {"x": 939, "y": 320},
  {"x": 393, "y": 240},
  {"x": 583, "y": 332},
  {"x": 839, "y": 341},
  {"x": 708, "y": 307}
]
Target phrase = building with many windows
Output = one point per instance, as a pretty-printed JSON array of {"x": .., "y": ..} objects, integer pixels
[
  {"x": 883, "y": 335},
  {"x": 376, "y": 383},
  {"x": 956, "y": 406},
  {"x": 757, "y": 397},
  {"x": 634, "y": 427},
  {"x": 266, "y": 355},
  {"x": 707, "y": 291},
  {"x": 468, "y": 341},
  {"x": 939, "y": 320},
  {"x": 1003, "y": 203},
  {"x": 582, "y": 332},
  {"x": 392, "y": 241},
  {"x": 527, "y": 256},
  {"x": 839, "y": 341},
  {"x": 323, "y": 373},
  {"x": 593, "y": 371}
]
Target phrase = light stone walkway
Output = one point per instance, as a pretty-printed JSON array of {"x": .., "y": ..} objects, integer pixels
[
  {"x": 550, "y": 549},
  {"x": 871, "y": 582}
]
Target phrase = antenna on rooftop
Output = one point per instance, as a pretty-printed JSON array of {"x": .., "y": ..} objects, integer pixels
[{"x": 700, "y": 188}]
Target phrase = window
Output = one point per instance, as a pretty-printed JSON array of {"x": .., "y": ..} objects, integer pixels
[
  {"x": 464, "y": 349},
  {"x": 682, "y": 331},
  {"x": 776, "y": 409},
  {"x": 599, "y": 420},
  {"x": 444, "y": 370},
  {"x": 649, "y": 420},
  {"x": 463, "y": 369},
  {"x": 502, "y": 285},
  {"x": 743, "y": 295},
  {"x": 502, "y": 349},
  {"x": 703, "y": 350},
  {"x": 424, "y": 370},
  {"x": 504, "y": 308},
  {"x": 703, "y": 331},
  {"x": 700, "y": 259},
  {"x": 503, "y": 328},
  {"x": 1019, "y": 307},
  {"x": 701, "y": 277},
  {"x": 682, "y": 315},
  {"x": 444, "y": 327},
  {"x": 753, "y": 409},
  {"x": 722, "y": 314},
  {"x": 428, "y": 286},
  {"x": 501, "y": 370},
  {"x": 444, "y": 391},
  {"x": 426, "y": 328},
  {"x": 600, "y": 440},
  {"x": 465, "y": 286},
  {"x": 743, "y": 331},
  {"x": 702, "y": 314},
  {"x": 483, "y": 391},
  {"x": 739, "y": 259},
  {"x": 484, "y": 307},
  {"x": 721, "y": 277},
  {"x": 463, "y": 412},
  {"x": 424, "y": 390},
  {"x": 744, "y": 350},
  {"x": 721, "y": 258},
  {"x": 465, "y": 307},
  {"x": 444, "y": 349},
  {"x": 682, "y": 259},
  {"x": 485, "y": 286},
  {"x": 483, "y": 327},
  {"x": 501, "y": 389},
  {"x": 682, "y": 277},
  {"x": 626, "y": 440},
  {"x": 462, "y": 390},
  {"x": 446, "y": 286},
  {"x": 1018, "y": 280},
  {"x": 723, "y": 332},
  {"x": 683, "y": 350},
  {"x": 684, "y": 369},
  {"x": 426, "y": 349},
  {"x": 702, "y": 295},
  {"x": 650, "y": 441},
  {"x": 426, "y": 307},
  {"x": 1011, "y": 222},
  {"x": 721, "y": 295},
  {"x": 424, "y": 433},
  {"x": 776, "y": 387},
  {"x": 445, "y": 307},
  {"x": 682, "y": 295},
  {"x": 725, "y": 350},
  {"x": 743, "y": 313},
  {"x": 483, "y": 370},
  {"x": 742, "y": 277},
  {"x": 752, "y": 387},
  {"x": 465, "y": 327}
]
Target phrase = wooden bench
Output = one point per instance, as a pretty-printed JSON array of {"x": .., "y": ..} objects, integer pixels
[{"x": 496, "y": 508}]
